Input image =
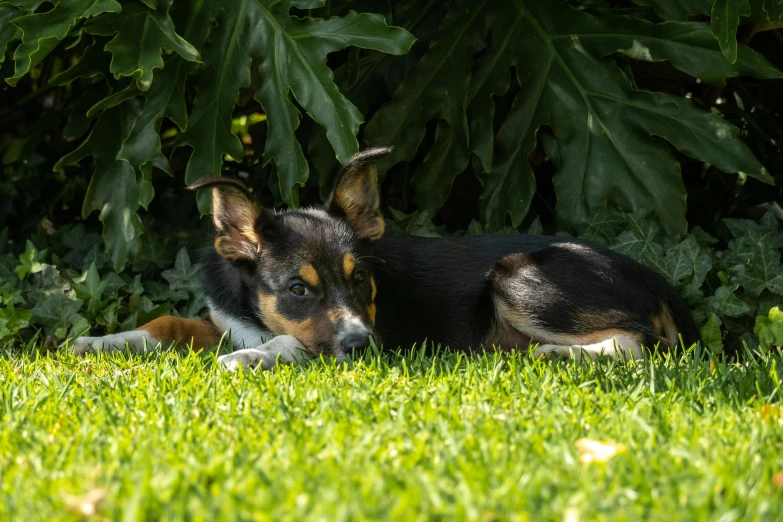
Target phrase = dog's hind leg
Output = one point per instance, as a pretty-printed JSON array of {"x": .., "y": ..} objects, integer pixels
[
  {"x": 161, "y": 332},
  {"x": 573, "y": 296},
  {"x": 618, "y": 346}
]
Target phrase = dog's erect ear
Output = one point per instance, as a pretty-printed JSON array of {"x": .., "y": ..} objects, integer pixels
[
  {"x": 236, "y": 215},
  {"x": 356, "y": 196}
]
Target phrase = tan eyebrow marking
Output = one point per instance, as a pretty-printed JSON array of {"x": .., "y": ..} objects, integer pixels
[
  {"x": 349, "y": 263},
  {"x": 309, "y": 275}
]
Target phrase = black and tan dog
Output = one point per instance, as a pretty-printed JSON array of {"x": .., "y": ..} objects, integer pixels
[{"x": 324, "y": 280}]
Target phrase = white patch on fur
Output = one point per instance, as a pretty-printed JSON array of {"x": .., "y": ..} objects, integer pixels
[
  {"x": 136, "y": 340},
  {"x": 617, "y": 346},
  {"x": 283, "y": 348},
  {"x": 242, "y": 334}
]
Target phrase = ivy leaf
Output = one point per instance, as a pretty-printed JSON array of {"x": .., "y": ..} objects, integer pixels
[
  {"x": 91, "y": 288},
  {"x": 639, "y": 240},
  {"x": 763, "y": 272},
  {"x": 12, "y": 320},
  {"x": 154, "y": 253},
  {"x": 725, "y": 20},
  {"x": 770, "y": 329},
  {"x": 767, "y": 302},
  {"x": 697, "y": 261},
  {"x": 8, "y": 264},
  {"x": 56, "y": 314},
  {"x": 751, "y": 239},
  {"x": 142, "y": 35},
  {"x": 114, "y": 190},
  {"x": 81, "y": 246},
  {"x": 113, "y": 284},
  {"x": 702, "y": 237},
  {"x": 711, "y": 335},
  {"x": 724, "y": 302},
  {"x": 41, "y": 32},
  {"x": 184, "y": 275},
  {"x": 29, "y": 261},
  {"x": 602, "y": 226},
  {"x": 47, "y": 282}
]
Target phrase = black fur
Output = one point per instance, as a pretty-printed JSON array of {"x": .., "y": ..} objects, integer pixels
[
  {"x": 445, "y": 290},
  {"x": 441, "y": 288}
]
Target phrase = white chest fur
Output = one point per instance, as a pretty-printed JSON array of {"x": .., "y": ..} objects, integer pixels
[{"x": 243, "y": 335}]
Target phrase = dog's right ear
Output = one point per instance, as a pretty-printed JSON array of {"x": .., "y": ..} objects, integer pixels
[
  {"x": 356, "y": 196},
  {"x": 236, "y": 216}
]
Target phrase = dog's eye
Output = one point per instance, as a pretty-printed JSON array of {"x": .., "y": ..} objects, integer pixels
[
  {"x": 298, "y": 289},
  {"x": 360, "y": 276}
]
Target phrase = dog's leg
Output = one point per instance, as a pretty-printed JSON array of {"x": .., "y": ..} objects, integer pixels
[
  {"x": 162, "y": 331},
  {"x": 283, "y": 348},
  {"x": 558, "y": 299},
  {"x": 617, "y": 346}
]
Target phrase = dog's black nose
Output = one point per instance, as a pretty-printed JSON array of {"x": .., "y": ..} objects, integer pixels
[{"x": 355, "y": 341}]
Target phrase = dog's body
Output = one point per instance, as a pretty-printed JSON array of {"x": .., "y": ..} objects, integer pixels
[{"x": 323, "y": 281}]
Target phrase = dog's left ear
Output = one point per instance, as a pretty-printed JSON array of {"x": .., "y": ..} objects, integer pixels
[{"x": 356, "y": 196}]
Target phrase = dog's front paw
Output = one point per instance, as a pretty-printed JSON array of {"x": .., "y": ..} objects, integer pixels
[
  {"x": 249, "y": 358},
  {"x": 83, "y": 345},
  {"x": 283, "y": 349}
]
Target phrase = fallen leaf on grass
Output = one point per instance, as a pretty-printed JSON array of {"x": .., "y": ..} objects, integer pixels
[
  {"x": 778, "y": 480},
  {"x": 597, "y": 451},
  {"x": 86, "y": 505},
  {"x": 771, "y": 412}
]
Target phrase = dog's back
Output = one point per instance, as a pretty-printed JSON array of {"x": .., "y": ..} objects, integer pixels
[{"x": 451, "y": 291}]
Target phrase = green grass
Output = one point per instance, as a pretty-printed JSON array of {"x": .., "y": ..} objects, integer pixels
[{"x": 449, "y": 437}]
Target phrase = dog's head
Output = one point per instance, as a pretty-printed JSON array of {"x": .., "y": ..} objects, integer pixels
[{"x": 306, "y": 269}]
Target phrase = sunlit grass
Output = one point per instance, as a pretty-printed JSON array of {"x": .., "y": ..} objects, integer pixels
[{"x": 447, "y": 437}]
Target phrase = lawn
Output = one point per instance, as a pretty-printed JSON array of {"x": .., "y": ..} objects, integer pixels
[{"x": 447, "y": 437}]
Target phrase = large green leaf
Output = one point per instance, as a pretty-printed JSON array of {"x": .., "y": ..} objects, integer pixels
[
  {"x": 41, "y": 32},
  {"x": 142, "y": 35},
  {"x": 7, "y": 30},
  {"x": 293, "y": 53},
  {"x": 166, "y": 96},
  {"x": 437, "y": 87},
  {"x": 605, "y": 132},
  {"x": 114, "y": 190},
  {"x": 725, "y": 20},
  {"x": 678, "y": 9}
]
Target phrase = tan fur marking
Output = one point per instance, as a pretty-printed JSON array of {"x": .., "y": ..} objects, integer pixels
[
  {"x": 168, "y": 329},
  {"x": 309, "y": 275},
  {"x": 374, "y": 289},
  {"x": 598, "y": 321},
  {"x": 349, "y": 263},
  {"x": 357, "y": 195},
  {"x": 371, "y": 311},
  {"x": 224, "y": 247},
  {"x": 310, "y": 332},
  {"x": 234, "y": 215},
  {"x": 665, "y": 326},
  {"x": 596, "y": 332}
]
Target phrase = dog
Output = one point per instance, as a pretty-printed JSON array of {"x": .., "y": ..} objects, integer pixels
[{"x": 301, "y": 283}]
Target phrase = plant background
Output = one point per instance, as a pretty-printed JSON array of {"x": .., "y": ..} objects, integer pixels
[{"x": 651, "y": 126}]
